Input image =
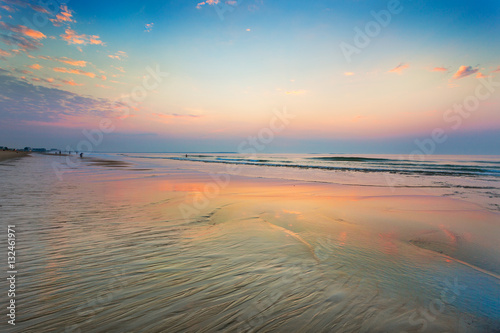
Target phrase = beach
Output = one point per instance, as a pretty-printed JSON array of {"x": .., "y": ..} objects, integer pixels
[
  {"x": 136, "y": 244},
  {"x": 5, "y": 155}
]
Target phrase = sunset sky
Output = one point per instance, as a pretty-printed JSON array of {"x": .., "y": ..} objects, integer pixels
[{"x": 64, "y": 67}]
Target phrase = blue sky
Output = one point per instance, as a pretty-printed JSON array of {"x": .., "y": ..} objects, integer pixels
[{"x": 85, "y": 61}]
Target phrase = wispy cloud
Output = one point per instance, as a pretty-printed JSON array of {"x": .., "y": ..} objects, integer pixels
[
  {"x": 73, "y": 71},
  {"x": 120, "y": 69},
  {"x": 23, "y": 30},
  {"x": 207, "y": 2},
  {"x": 480, "y": 75},
  {"x": 23, "y": 101},
  {"x": 4, "y": 54},
  {"x": 70, "y": 82},
  {"x": 348, "y": 73},
  {"x": 120, "y": 55},
  {"x": 71, "y": 37},
  {"x": 7, "y": 8},
  {"x": 439, "y": 69},
  {"x": 148, "y": 27},
  {"x": 24, "y": 4},
  {"x": 464, "y": 71},
  {"x": 25, "y": 38},
  {"x": 176, "y": 115},
  {"x": 399, "y": 68},
  {"x": 64, "y": 16},
  {"x": 69, "y": 61},
  {"x": 35, "y": 66}
]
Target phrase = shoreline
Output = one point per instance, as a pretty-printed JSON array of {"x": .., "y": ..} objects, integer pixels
[{"x": 7, "y": 155}]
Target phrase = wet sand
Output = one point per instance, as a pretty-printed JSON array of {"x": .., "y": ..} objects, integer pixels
[
  {"x": 5, "y": 155},
  {"x": 114, "y": 250}
]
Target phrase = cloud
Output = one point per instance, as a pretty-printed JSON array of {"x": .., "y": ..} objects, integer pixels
[
  {"x": 70, "y": 82},
  {"x": 464, "y": 71},
  {"x": 399, "y": 68},
  {"x": 207, "y": 2},
  {"x": 22, "y": 36},
  {"x": 7, "y": 8},
  {"x": 119, "y": 69},
  {"x": 176, "y": 115},
  {"x": 69, "y": 61},
  {"x": 496, "y": 70},
  {"x": 35, "y": 66},
  {"x": 348, "y": 73},
  {"x": 480, "y": 75},
  {"x": 439, "y": 69},
  {"x": 4, "y": 54},
  {"x": 64, "y": 16},
  {"x": 120, "y": 55},
  {"x": 71, "y": 37},
  {"x": 24, "y": 102},
  {"x": 24, "y": 4},
  {"x": 103, "y": 86},
  {"x": 148, "y": 27},
  {"x": 73, "y": 71},
  {"x": 296, "y": 92},
  {"x": 23, "y": 30}
]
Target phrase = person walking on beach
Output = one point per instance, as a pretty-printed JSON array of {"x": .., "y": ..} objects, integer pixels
[{"x": 81, "y": 155}]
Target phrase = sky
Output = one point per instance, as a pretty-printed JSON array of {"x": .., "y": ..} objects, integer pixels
[{"x": 202, "y": 76}]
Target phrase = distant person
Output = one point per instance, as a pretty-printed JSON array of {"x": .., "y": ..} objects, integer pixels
[
  {"x": 186, "y": 155},
  {"x": 81, "y": 155}
]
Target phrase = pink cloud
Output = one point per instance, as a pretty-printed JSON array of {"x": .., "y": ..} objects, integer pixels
[
  {"x": 148, "y": 27},
  {"x": 207, "y": 2},
  {"x": 399, "y": 68},
  {"x": 64, "y": 16},
  {"x": 119, "y": 69},
  {"x": 35, "y": 66},
  {"x": 439, "y": 69},
  {"x": 464, "y": 71},
  {"x": 4, "y": 54},
  {"x": 70, "y": 82},
  {"x": 69, "y": 61},
  {"x": 71, "y": 37},
  {"x": 73, "y": 71},
  {"x": 120, "y": 55}
]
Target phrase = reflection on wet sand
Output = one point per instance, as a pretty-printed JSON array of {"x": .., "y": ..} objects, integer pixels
[{"x": 140, "y": 252}]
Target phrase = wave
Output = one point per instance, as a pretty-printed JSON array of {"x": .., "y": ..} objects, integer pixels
[
  {"x": 352, "y": 159},
  {"x": 392, "y": 168}
]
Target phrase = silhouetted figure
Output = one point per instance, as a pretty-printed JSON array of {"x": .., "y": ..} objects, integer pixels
[
  {"x": 186, "y": 155},
  {"x": 81, "y": 155}
]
